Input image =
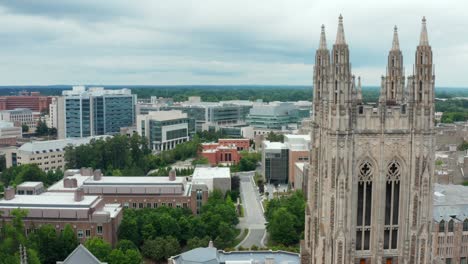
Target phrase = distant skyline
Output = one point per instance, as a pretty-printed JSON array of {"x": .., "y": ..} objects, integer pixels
[{"x": 263, "y": 42}]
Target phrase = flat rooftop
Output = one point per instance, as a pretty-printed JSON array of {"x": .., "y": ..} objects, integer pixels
[
  {"x": 49, "y": 200},
  {"x": 211, "y": 172},
  {"x": 126, "y": 181},
  {"x": 30, "y": 184},
  {"x": 55, "y": 145},
  {"x": 274, "y": 145}
]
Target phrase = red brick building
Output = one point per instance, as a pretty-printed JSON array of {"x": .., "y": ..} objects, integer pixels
[
  {"x": 33, "y": 101},
  {"x": 226, "y": 151}
]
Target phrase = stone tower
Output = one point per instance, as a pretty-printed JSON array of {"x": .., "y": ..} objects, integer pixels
[{"x": 371, "y": 176}]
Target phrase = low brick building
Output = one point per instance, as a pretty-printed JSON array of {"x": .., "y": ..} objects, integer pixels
[
  {"x": 136, "y": 192},
  {"x": 89, "y": 215},
  {"x": 226, "y": 151}
]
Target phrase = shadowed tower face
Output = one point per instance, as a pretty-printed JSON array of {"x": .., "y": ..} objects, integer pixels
[{"x": 370, "y": 183}]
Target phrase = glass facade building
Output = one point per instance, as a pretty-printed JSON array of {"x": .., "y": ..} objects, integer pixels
[{"x": 96, "y": 111}]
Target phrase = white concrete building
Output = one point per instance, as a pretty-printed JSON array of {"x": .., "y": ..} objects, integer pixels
[
  {"x": 52, "y": 121},
  {"x": 165, "y": 129},
  {"x": 215, "y": 178}
]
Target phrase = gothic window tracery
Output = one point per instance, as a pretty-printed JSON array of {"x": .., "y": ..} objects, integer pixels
[
  {"x": 392, "y": 205},
  {"x": 450, "y": 226},
  {"x": 465, "y": 225},
  {"x": 364, "y": 205}
]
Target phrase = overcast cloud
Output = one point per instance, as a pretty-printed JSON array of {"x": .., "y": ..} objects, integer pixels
[{"x": 217, "y": 42}]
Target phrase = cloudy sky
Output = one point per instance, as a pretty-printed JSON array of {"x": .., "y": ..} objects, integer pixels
[{"x": 217, "y": 41}]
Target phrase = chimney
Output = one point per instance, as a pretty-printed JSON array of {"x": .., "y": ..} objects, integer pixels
[
  {"x": 86, "y": 171},
  {"x": 210, "y": 244},
  {"x": 9, "y": 193},
  {"x": 79, "y": 194},
  {"x": 70, "y": 183},
  {"x": 172, "y": 175},
  {"x": 97, "y": 175}
]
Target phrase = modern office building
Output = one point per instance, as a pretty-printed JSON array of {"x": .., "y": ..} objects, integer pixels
[
  {"x": 88, "y": 215},
  {"x": 275, "y": 115},
  {"x": 33, "y": 100},
  {"x": 206, "y": 114},
  {"x": 48, "y": 154},
  {"x": 165, "y": 129},
  {"x": 52, "y": 120},
  {"x": 135, "y": 192},
  {"x": 19, "y": 116},
  {"x": 299, "y": 151},
  {"x": 275, "y": 162},
  {"x": 9, "y": 133},
  {"x": 96, "y": 111}
]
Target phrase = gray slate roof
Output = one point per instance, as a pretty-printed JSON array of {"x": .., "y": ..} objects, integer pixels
[{"x": 81, "y": 255}]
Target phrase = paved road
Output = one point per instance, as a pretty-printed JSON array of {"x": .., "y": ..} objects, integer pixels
[{"x": 253, "y": 219}]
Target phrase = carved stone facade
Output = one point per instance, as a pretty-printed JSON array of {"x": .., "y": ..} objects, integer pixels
[{"x": 371, "y": 178}]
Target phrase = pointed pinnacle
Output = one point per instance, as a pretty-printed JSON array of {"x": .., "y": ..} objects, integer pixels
[
  {"x": 423, "y": 40},
  {"x": 396, "y": 43},
  {"x": 323, "y": 39},
  {"x": 340, "y": 37}
]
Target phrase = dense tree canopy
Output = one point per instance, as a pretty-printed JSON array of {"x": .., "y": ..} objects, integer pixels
[
  {"x": 285, "y": 218},
  {"x": 29, "y": 172},
  {"x": 153, "y": 229}
]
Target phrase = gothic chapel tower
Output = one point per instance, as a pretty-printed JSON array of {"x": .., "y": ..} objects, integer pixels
[{"x": 371, "y": 177}]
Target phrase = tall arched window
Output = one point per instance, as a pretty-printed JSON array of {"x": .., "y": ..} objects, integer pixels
[
  {"x": 336, "y": 92},
  {"x": 450, "y": 225},
  {"x": 442, "y": 226},
  {"x": 420, "y": 92},
  {"x": 392, "y": 205},
  {"x": 364, "y": 206},
  {"x": 465, "y": 225},
  {"x": 393, "y": 90},
  {"x": 319, "y": 87}
]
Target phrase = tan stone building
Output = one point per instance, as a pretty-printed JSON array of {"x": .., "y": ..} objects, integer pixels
[{"x": 371, "y": 171}]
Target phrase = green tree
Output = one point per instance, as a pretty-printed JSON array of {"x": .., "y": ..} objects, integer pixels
[
  {"x": 98, "y": 247},
  {"x": 42, "y": 129},
  {"x": 197, "y": 242},
  {"x": 154, "y": 249},
  {"x": 463, "y": 146},
  {"x": 46, "y": 241},
  {"x": 24, "y": 128},
  {"x": 67, "y": 242},
  {"x": 281, "y": 227}
]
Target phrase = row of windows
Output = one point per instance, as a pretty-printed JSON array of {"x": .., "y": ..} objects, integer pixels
[
  {"x": 79, "y": 232},
  {"x": 152, "y": 205},
  {"x": 450, "y": 226}
]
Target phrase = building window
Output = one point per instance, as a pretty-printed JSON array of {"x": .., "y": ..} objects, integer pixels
[
  {"x": 392, "y": 205},
  {"x": 148, "y": 205},
  {"x": 364, "y": 206},
  {"x": 199, "y": 200},
  {"x": 79, "y": 233},
  {"x": 155, "y": 205},
  {"x": 99, "y": 230},
  {"x": 178, "y": 205},
  {"x": 448, "y": 261},
  {"x": 88, "y": 233},
  {"x": 450, "y": 226},
  {"x": 184, "y": 205},
  {"x": 134, "y": 205},
  {"x": 442, "y": 226},
  {"x": 463, "y": 260},
  {"x": 465, "y": 225},
  {"x": 163, "y": 204},
  {"x": 125, "y": 205},
  {"x": 140, "y": 205},
  {"x": 170, "y": 205}
]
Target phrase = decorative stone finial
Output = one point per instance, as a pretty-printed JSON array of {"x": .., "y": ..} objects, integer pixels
[{"x": 340, "y": 37}]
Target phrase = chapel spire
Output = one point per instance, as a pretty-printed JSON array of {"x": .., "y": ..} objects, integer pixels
[
  {"x": 423, "y": 40},
  {"x": 340, "y": 37},
  {"x": 395, "y": 43},
  {"x": 323, "y": 39}
]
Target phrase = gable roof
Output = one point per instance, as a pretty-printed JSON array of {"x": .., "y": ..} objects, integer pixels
[{"x": 81, "y": 255}]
